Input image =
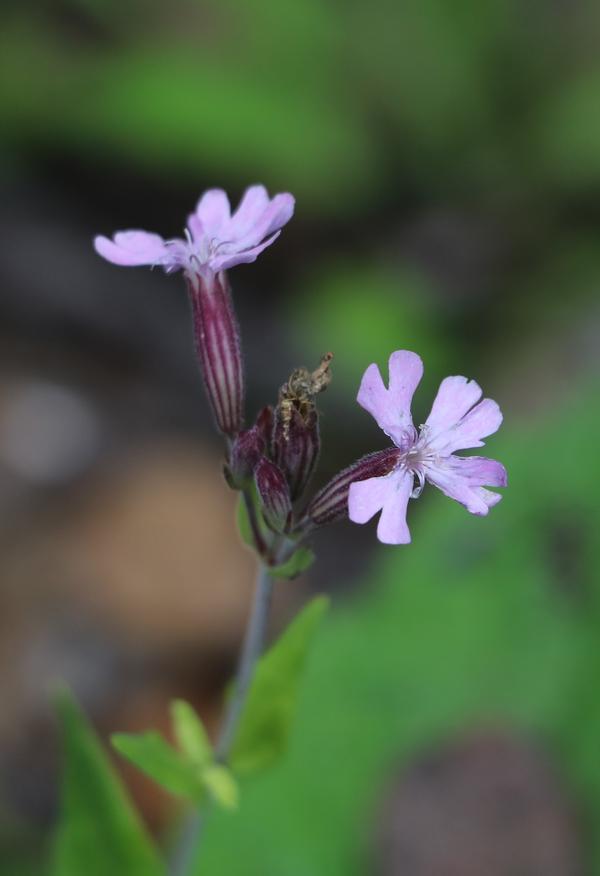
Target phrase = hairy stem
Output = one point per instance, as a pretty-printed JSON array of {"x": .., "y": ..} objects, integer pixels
[{"x": 251, "y": 651}]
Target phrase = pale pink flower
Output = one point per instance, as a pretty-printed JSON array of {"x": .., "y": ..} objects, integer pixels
[
  {"x": 458, "y": 420},
  {"x": 215, "y": 240}
]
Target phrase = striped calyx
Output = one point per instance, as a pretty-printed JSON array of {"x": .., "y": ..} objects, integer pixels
[
  {"x": 218, "y": 348},
  {"x": 330, "y": 505}
]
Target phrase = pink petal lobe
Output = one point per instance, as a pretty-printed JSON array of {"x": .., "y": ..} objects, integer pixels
[
  {"x": 254, "y": 202},
  {"x": 366, "y": 498},
  {"x": 226, "y": 261},
  {"x": 213, "y": 212},
  {"x": 256, "y": 226},
  {"x": 463, "y": 479},
  {"x": 482, "y": 420},
  {"x": 391, "y": 407},
  {"x": 392, "y": 527},
  {"x": 388, "y": 494},
  {"x": 455, "y": 397},
  {"x": 132, "y": 248}
]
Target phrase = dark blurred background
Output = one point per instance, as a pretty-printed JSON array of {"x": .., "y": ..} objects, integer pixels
[{"x": 445, "y": 157}]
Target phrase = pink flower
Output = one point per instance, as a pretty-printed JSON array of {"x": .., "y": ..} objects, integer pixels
[
  {"x": 214, "y": 239},
  {"x": 458, "y": 420}
]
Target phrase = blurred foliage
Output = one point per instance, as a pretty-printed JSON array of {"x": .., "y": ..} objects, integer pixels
[
  {"x": 479, "y": 620},
  {"x": 99, "y": 831},
  {"x": 305, "y": 95},
  {"x": 270, "y": 711}
]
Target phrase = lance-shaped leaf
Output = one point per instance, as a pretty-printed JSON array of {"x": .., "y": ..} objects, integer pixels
[
  {"x": 267, "y": 718},
  {"x": 99, "y": 831},
  {"x": 191, "y": 771},
  {"x": 190, "y": 734},
  {"x": 153, "y": 755}
]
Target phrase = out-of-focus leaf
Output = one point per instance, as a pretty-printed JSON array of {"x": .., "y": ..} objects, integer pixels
[
  {"x": 221, "y": 785},
  {"x": 99, "y": 830},
  {"x": 190, "y": 733},
  {"x": 154, "y": 756},
  {"x": 267, "y": 717},
  {"x": 566, "y": 133},
  {"x": 299, "y": 562}
]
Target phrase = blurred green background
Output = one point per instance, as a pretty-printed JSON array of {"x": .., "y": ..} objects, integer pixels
[{"x": 445, "y": 157}]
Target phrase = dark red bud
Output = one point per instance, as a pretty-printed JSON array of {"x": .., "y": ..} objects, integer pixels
[
  {"x": 246, "y": 450},
  {"x": 265, "y": 423},
  {"x": 217, "y": 340},
  {"x": 296, "y": 446},
  {"x": 331, "y": 503},
  {"x": 274, "y": 495}
]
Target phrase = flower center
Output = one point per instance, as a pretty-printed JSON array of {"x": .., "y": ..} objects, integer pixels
[{"x": 414, "y": 455}]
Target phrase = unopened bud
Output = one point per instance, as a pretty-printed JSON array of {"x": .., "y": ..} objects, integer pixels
[
  {"x": 246, "y": 450},
  {"x": 274, "y": 495},
  {"x": 218, "y": 348},
  {"x": 296, "y": 447},
  {"x": 331, "y": 503}
]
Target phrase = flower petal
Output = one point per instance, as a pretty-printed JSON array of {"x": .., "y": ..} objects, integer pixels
[
  {"x": 391, "y": 407},
  {"x": 131, "y": 248},
  {"x": 392, "y": 527},
  {"x": 389, "y": 494},
  {"x": 463, "y": 478},
  {"x": 254, "y": 202},
  {"x": 225, "y": 261},
  {"x": 213, "y": 212},
  {"x": 455, "y": 397},
  {"x": 366, "y": 498},
  {"x": 258, "y": 222},
  {"x": 482, "y": 420}
]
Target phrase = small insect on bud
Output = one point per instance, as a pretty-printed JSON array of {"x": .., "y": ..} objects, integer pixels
[
  {"x": 274, "y": 495},
  {"x": 330, "y": 505},
  {"x": 246, "y": 450},
  {"x": 296, "y": 440},
  {"x": 218, "y": 348}
]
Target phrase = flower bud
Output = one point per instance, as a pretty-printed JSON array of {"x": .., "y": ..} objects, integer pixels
[
  {"x": 246, "y": 450},
  {"x": 331, "y": 503},
  {"x": 265, "y": 424},
  {"x": 274, "y": 495},
  {"x": 218, "y": 348},
  {"x": 296, "y": 446}
]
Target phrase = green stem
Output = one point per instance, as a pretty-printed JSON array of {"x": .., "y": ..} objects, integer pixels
[{"x": 251, "y": 650}]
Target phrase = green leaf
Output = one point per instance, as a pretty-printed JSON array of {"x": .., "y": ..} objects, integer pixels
[
  {"x": 154, "y": 756},
  {"x": 299, "y": 562},
  {"x": 99, "y": 830},
  {"x": 221, "y": 785},
  {"x": 190, "y": 733},
  {"x": 267, "y": 718}
]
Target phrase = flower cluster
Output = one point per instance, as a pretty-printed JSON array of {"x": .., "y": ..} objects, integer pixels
[{"x": 271, "y": 462}]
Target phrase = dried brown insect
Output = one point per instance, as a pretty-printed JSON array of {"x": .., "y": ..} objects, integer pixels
[{"x": 300, "y": 390}]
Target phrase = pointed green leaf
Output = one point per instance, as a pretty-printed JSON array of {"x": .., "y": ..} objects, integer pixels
[
  {"x": 266, "y": 721},
  {"x": 99, "y": 830},
  {"x": 190, "y": 733},
  {"x": 154, "y": 756},
  {"x": 299, "y": 562},
  {"x": 221, "y": 785}
]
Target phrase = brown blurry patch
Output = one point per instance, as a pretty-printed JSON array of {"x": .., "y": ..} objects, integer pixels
[{"x": 488, "y": 805}]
